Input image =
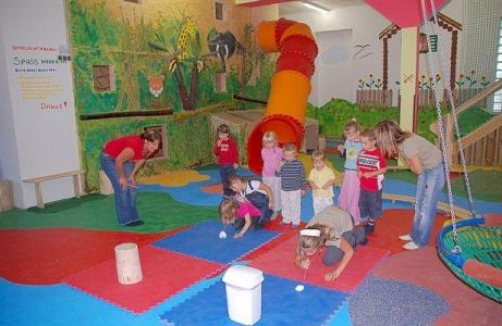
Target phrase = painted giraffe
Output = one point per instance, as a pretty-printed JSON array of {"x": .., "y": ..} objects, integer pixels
[{"x": 188, "y": 32}]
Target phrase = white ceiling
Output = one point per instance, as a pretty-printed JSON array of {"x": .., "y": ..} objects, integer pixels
[{"x": 295, "y": 7}]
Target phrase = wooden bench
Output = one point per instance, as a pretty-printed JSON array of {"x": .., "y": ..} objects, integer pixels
[
  {"x": 38, "y": 190},
  {"x": 445, "y": 207}
]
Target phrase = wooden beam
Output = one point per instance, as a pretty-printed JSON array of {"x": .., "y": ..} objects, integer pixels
[
  {"x": 489, "y": 90},
  {"x": 97, "y": 116},
  {"x": 489, "y": 127}
]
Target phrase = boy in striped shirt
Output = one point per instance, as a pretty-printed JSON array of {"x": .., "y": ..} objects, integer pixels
[{"x": 293, "y": 184}]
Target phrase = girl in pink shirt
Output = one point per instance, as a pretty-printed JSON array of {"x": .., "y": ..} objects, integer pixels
[
  {"x": 272, "y": 155},
  {"x": 239, "y": 212}
]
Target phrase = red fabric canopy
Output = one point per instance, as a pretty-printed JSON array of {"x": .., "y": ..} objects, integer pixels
[{"x": 405, "y": 13}]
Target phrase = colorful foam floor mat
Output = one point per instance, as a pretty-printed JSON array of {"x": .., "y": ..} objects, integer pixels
[
  {"x": 276, "y": 262},
  {"x": 164, "y": 274},
  {"x": 53, "y": 273},
  {"x": 280, "y": 301},
  {"x": 203, "y": 241}
]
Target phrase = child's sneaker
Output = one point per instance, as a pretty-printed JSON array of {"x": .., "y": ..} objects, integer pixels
[
  {"x": 275, "y": 215},
  {"x": 295, "y": 226},
  {"x": 411, "y": 246},
  {"x": 369, "y": 228}
]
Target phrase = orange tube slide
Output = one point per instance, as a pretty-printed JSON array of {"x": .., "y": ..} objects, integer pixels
[{"x": 290, "y": 86}]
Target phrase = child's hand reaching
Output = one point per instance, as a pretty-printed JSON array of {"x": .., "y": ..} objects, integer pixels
[
  {"x": 238, "y": 235},
  {"x": 305, "y": 263},
  {"x": 340, "y": 149},
  {"x": 332, "y": 275}
]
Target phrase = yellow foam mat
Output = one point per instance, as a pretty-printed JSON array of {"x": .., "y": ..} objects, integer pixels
[{"x": 175, "y": 178}]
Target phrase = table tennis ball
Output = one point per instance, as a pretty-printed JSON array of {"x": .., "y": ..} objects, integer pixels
[
  {"x": 299, "y": 288},
  {"x": 223, "y": 235}
]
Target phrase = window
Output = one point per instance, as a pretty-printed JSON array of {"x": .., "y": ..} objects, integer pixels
[
  {"x": 104, "y": 79},
  {"x": 218, "y": 10},
  {"x": 497, "y": 98}
]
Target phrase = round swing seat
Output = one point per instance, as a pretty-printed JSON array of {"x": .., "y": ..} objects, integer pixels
[{"x": 479, "y": 261}]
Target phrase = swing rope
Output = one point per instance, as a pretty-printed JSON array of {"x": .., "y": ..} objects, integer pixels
[
  {"x": 479, "y": 263},
  {"x": 449, "y": 91},
  {"x": 432, "y": 71}
]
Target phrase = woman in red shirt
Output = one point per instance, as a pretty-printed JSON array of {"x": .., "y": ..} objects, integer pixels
[{"x": 120, "y": 160}]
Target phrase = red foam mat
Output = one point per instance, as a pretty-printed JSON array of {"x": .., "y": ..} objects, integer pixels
[
  {"x": 165, "y": 273},
  {"x": 47, "y": 256},
  {"x": 279, "y": 261}
]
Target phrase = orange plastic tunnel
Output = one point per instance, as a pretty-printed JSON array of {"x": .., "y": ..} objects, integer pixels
[{"x": 290, "y": 86}]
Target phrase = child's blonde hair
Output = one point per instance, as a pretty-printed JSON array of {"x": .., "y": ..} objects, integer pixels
[
  {"x": 318, "y": 154},
  {"x": 228, "y": 208},
  {"x": 269, "y": 137},
  {"x": 308, "y": 243},
  {"x": 289, "y": 147},
  {"x": 352, "y": 125}
]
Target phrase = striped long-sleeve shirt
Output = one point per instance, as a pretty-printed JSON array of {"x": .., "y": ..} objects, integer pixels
[{"x": 292, "y": 176}]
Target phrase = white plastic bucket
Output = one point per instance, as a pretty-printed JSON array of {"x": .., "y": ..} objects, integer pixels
[{"x": 128, "y": 263}]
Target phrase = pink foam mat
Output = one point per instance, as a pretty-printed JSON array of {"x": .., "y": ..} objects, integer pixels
[
  {"x": 279, "y": 261},
  {"x": 165, "y": 273}
]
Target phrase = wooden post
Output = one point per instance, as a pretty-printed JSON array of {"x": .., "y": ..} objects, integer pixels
[
  {"x": 6, "y": 195},
  {"x": 38, "y": 193},
  {"x": 453, "y": 58},
  {"x": 385, "y": 79},
  {"x": 409, "y": 69}
]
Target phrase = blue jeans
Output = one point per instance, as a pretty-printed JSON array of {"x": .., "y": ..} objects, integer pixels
[
  {"x": 370, "y": 204},
  {"x": 261, "y": 202},
  {"x": 125, "y": 199},
  {"x": 333, "y": 254},
  {"x": 429, "y": 186},
  {"x": 227, "y": 171}
]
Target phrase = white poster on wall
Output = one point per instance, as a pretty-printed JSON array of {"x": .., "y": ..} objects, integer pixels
[
  {"x": 38, "y": 72},
  {"x": 334, "y": 67},
  {"x": 37, "y": 58}
]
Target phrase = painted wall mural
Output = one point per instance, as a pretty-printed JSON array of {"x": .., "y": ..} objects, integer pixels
[{"x": 158, "y": 56}]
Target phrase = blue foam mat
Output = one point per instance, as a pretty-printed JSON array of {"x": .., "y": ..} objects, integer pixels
[
  {"x": 280, "y": 305},
  {"x": 62, "y": 305},
  {"x": 202, "y": 241}
]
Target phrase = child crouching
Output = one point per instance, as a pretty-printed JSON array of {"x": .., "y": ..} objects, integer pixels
[{"x": 239, "y": 212}]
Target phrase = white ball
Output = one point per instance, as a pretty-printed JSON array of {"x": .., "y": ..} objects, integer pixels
[
  {"x": 223, "y": 235},
  {"x": 299, "y": 288}
]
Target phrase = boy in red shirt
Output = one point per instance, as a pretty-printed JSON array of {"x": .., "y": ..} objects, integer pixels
[
  {"x": 228, "y": 158},
  {"x": 371, "y": 166}
]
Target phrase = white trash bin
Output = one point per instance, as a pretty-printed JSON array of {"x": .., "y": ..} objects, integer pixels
[{"x": 243, "y": 287}]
